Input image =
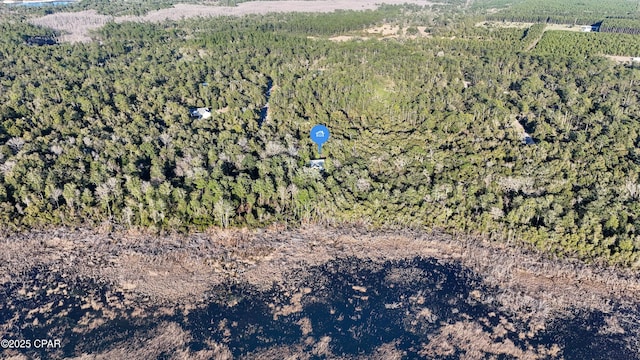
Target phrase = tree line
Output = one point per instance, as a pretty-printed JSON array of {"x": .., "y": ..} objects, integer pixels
[
  {"x": 620, "y": 25},
  {"x": 578, "y": 12},
  {"x": 574, "y": 44}
]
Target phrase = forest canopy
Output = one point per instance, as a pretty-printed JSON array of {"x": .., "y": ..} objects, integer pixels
[
  {"x": 560, "y": 11},
  {"x": 427, "y": 132}
]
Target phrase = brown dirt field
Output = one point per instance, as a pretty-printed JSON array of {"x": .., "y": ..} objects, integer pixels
[{"x": 77, "y": 25}]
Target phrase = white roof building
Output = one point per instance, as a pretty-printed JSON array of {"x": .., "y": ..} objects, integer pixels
[{"x": 201, "y": 113}]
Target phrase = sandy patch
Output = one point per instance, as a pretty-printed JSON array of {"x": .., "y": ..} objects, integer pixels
[
  {"x": 563, "y": 27},
  {"x": 395, "y": 31},
  {"x": 342, "y": 38},
  {"x": 77, "y": 25},
  {"x": 619, "y": 59},
  {"x": 384, "y": 30}
]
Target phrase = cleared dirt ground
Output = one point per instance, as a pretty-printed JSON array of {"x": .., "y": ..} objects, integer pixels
[
  {"x": 620, "y": 59},
  {"x": 386, "y": 31},
  {"x": 77, "y": 25}
]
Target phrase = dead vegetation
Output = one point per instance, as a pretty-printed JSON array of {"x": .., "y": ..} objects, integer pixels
[
  {"x": 322, "y": 348},
  {"x": 475, "y": 343},
  {"x": 75, "y": 27},
  {"x": 180, "y": 268},
  {"x": 167, "y": 338},
  {"x": 150, "y": 275}
]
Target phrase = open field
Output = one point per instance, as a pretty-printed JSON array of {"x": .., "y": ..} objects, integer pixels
[
  {"x": 77, "y": 25},
  {"x": 524, "y": 25},
  {"x": 563, "y": 27}
]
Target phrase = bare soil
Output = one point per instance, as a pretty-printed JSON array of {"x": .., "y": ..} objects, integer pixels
[
  {"x": 619, "y": 59},
  {"x": 563, "y": 27},
  {"x": 342, "y": 38},
  {"x": 385, "y": 31}
]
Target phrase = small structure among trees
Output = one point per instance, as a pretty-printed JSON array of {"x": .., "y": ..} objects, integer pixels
[
  {"x": 201, "y": 113},
  {"x": 317, "y": 164},
  {"x": 590, "y": 28},
  {"x": 527, "y": 139}
]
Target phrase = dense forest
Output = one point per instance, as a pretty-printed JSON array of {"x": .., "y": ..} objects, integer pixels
[
  {"x": 621, "y": 25},
  {"x": 560, "y": 11},
  {"x": 426, "y": 132},
  {"x": 577, "y": 43}
]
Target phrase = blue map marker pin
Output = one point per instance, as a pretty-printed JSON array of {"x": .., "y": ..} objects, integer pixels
[{"x": 319, "y": 135}]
